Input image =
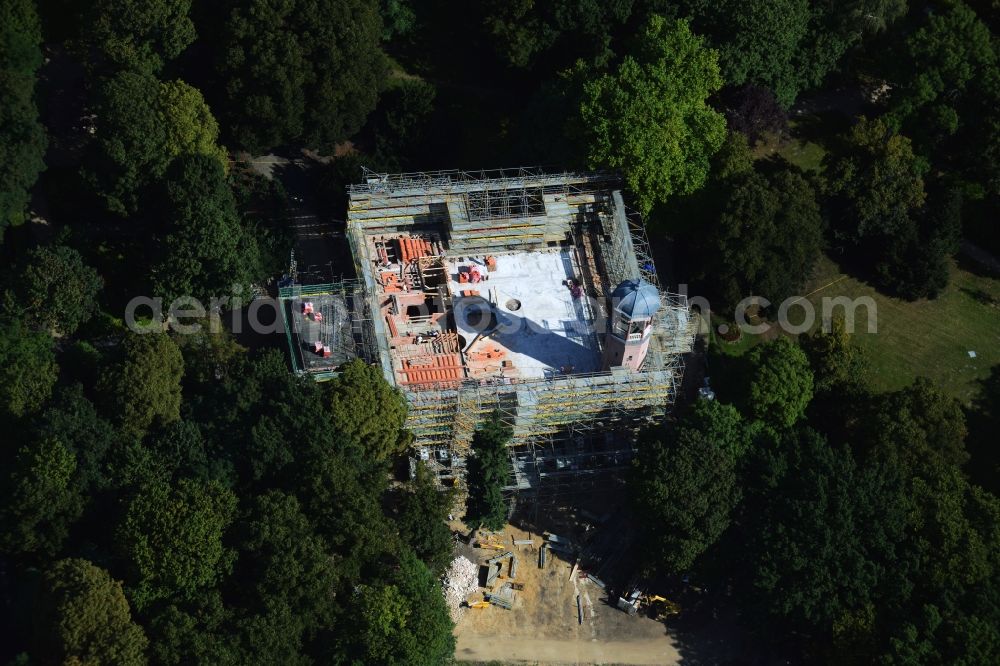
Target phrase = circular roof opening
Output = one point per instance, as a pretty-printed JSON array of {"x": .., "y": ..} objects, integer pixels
[{"x": 513, "y": 305}]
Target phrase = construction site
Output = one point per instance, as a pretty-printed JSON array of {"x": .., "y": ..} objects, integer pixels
[
  {"x": 571, "y": 592},
  {"x": 532, "y": 296},
  {"x": 528, "y": 294}
]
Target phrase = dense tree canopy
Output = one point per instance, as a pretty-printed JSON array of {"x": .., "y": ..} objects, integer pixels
[
  {"x": 895, "y": 227},
  {"x": 524, "y": 30},
  {"x": 143, "y": 386},
  {"x": 422, "y": 514},
  {"x": 650, "y": 119},
  {"x": 814, "y": 542},
  {"x": 28, "y": 369},
  {"x": 368, "y": 411},
  {"x": 256, "y": 515},
  {"x": 880, "y": 180},
  {"x": 685, "y": 486},
  {"x": 761, "y": 216},
  {"x": 139, "y": 34},
  {"x": 398, "y": 126},
  {"x": 56, "y": 290},
  {"x": 914, "y": 261},
  {"x": 73, "y": 420},
  {"x": 921, "y": 424},
  {"x": 763, "y": 42},
  {"x": 294, "y": 574},
  {"x": 952, "y": 53},
  {"x": 305, "y": 71},
  {"x": 84, "y": 617},
  {"x": 399, "y": 621},
  {"x": 983, "y": 422},
  {"x": 41, "y": 499},
  {"x": 207, "y": 250},
  {"x": 22, "y": 137},
  {"x": 788, "y": 46},
  {"x": 781, "y": 383},
  {"x": 142, "y": 125},
  {"x": 173, "y": 538},
  {"x": 488, "y": 473}
]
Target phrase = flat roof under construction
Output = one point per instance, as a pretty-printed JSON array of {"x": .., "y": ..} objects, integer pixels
[{"x": 541, "y": 328}]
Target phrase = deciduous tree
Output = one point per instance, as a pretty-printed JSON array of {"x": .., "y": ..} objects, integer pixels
[
  {"x": 142, "y": 125},
  {"x": 950, "y": 53},
  {"x": 22, "y": 136},
  {"x": 207, "y": 251},
  {"x": 73, "y": 420},
  {"x": 984, "y": 423},
  {"x": 28, "y": 369},
  {"x": 305, "y": 71},
  {"x": 422, "y": 513},
  {"x": 790, "y": 45},
  {"x": 173, "y": 539},
  {"x": 82, "y": 616},
  {"x": 56, "y": 289},
  {"x": 879, "y": 181},
  {"x": 400, "y": 621},
  {"x": 290, "y": 572},
  {"x": 488, "y": 473},
  {"x": 761, "y": 216},
  {"x": 817, "y": 534},
  {"x": 685, "y": 485},
  {"x": 921, "y": 424},
  {"x": 525, "y": 31},
  {"x": 915, "y": 261},
  {"x": 144, "y": 385},
  {"x": 762, "y": 42},
  {"x": 650, "y": 118},
  {"x": 141, "y": 35},
  {"x": 200, "y": 631},
  {"x": 781, "y": 384},
  {"x": 754, "y": 111},
  {"x": 179, "y": 450},
  {"x": 40, "y": 499},
  {"x": 837, "y": 363},
  {"x": 398, "y": 126},
  {"x": 367, "y": 412}
]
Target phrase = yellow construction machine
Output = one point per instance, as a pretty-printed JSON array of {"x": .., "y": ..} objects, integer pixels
[
  {"x": 479, "y": 604},
  {"x": 660, "y": 608}
]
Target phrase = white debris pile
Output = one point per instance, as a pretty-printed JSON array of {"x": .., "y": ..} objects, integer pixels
[{"x": 461, "y": 580}]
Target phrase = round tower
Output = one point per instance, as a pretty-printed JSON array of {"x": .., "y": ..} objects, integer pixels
[{"x": 634, "y": 304}]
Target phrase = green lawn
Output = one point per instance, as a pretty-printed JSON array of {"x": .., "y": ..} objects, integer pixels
[
  {"x": 803, "y": 153},
  {"x": 924, "y": 338}
]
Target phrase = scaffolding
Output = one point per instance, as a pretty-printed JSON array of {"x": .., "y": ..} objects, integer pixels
[
  {"x": 345, "y": 326},
  {"x": 569, "y": 429},
  {"x": 486, "y": 211}
]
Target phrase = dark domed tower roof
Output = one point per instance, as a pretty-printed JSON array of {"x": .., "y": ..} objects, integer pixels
[{"x": 636, "y": 299}]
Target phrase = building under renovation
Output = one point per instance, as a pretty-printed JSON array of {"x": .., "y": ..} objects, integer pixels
[{"x": 528, "y": 294}]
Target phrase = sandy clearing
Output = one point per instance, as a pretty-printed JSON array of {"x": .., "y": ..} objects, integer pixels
[{"x": 472, "y": 647}]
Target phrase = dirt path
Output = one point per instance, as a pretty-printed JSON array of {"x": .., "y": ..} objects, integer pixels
[{"x": 471, "y": 647}]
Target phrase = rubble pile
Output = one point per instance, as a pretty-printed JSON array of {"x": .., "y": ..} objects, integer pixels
[{"x": 461, "y": 580}]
